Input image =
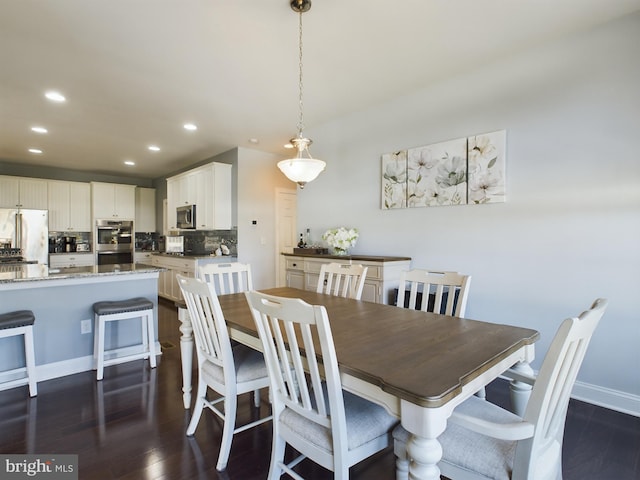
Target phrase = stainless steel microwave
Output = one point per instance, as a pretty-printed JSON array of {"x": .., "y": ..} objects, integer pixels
[{"x": 186, "y": 217}]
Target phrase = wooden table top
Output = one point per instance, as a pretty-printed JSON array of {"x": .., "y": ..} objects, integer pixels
[{"x": 424, "y": 358}]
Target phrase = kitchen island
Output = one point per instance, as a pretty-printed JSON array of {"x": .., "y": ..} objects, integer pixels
[{"x": 62, "y": 300}]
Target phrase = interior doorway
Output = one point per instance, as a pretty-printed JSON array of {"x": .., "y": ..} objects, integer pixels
[{"x": 286, "y": 224}]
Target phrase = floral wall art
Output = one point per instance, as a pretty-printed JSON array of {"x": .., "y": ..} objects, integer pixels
[{"x": 463, "y": 171}]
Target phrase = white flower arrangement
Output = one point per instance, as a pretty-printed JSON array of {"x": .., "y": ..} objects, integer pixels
[{"x": 341, "y": 238}]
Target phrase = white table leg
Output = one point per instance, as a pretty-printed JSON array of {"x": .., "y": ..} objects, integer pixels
[
  {"x": 186, "y": 354},
  {"x": 520, "y": 391},
  {"x": 424, "y": 449}
]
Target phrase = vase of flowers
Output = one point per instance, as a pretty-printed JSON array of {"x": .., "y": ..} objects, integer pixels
[{"x": 341, "y": 239}]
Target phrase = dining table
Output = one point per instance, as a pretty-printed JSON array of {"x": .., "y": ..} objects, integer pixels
[{"x": 418, "y": 365}]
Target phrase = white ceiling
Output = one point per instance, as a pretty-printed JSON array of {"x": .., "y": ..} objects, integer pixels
[{"x": 134, "y": 71}]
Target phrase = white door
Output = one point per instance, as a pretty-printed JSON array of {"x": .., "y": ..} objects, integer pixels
[{"x": 286, "y": 224}]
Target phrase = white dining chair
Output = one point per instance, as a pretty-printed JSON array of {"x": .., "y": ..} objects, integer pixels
[
  {"x": 333, "y": 428},
  {"x": 227, "y": 277},
  {"x": 484, "y": 441},
  {"x": 439, "y": 292},
  {"x": 229, "y": 371},
  {"x": 343, "y": 280}
]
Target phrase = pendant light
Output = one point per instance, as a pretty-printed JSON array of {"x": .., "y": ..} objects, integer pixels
[{"x": 303, "y": 167}]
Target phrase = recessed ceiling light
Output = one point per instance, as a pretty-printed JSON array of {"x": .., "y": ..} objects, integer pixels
[
  {"x": 190, "y": 126},
  {"x": 154, "y": 148},
  {"x": 254, "y": 141},
  {"x": 37, "y": 151},
  {"x": 129, "y": 162},
  {"x": 55, "y": 96},
  {"x": 39, "y": 130}
]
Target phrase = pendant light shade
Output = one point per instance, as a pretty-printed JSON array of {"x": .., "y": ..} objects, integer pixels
[{"x": 302, "y": 168}]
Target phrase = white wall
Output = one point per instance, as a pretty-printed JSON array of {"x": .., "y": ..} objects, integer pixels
[
  {"x": 570, "y": 229},
  {"x": 258, "y": 178}
]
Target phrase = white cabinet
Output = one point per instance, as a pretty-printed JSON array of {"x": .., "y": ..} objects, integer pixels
[
  {"x": 23, "y": 192},
  {"x": 167, "y": 283},
  {"x": 222, "y": 196},
  {"x": 295, "y": 272},
  {"x": 186, "y": 266},
  {"x": 143, "y": 257},
  {"x": 65, "y": 260},
  {"x": 69, "y": 206},
  {"x": 112, "y": 200},
  {"x": 209, "y": 189},
  {"x": 145, "y": 220},
  {"x": 383, "y": 274}
]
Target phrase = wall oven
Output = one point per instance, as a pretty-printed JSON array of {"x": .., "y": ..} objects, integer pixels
[{"x": 114, "y": 241}]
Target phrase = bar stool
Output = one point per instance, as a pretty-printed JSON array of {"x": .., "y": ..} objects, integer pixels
[
  {"x": 111, "y": 311},
  {"x": 21, "y": 323}
]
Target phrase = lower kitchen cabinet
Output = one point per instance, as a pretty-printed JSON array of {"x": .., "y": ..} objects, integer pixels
[
  {"x": 383, "y": 274},
  {"x": 175, "y": 265},
  {"x": 145, "y": 257},
  {"x": 64, "y": 260}
]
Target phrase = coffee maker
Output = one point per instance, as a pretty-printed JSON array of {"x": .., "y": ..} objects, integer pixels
[{"x": 69, "y": 244}]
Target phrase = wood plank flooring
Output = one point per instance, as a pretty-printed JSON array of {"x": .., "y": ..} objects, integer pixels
[{"x": 132, "y": 426}]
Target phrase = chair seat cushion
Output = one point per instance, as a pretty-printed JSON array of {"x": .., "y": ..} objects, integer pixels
[
  {"x": 249, "y": 365},
  {"x": 19, "y": 318},
  {"x": 122, "y": 306},
  {"x": 473, "y": 451},
  {"x": 365, "y": 422}
]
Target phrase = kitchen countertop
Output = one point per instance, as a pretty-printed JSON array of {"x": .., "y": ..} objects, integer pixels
[
  {"x": 39, "y": 272},
  {"x": 232, "y": 258}
]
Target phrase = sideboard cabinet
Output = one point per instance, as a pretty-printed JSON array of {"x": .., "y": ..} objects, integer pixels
[{"x": 383, "y": 274}]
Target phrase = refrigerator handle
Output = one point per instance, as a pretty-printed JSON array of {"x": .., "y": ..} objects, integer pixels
[{"x": 18, "y": 230}]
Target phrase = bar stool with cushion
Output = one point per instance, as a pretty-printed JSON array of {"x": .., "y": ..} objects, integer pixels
[
  {"x": 110, "y": 311},
  {"x": 21, "y": 323}
]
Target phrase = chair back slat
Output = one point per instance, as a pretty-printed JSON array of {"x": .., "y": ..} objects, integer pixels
[
  {"x": 547, "y": 406},
  {"x": 295, "y": 335},
  {"x": 439, "y": 292},
  {"x": 342, "y": 280},
  {"x": 227, "y": 277},
  {"x": 209, "y": 328}
]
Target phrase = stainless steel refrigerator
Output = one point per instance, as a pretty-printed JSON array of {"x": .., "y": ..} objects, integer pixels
[{"x": 27, "y": 230}]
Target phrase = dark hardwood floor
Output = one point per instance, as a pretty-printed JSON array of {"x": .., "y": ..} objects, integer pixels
[{"x": 132, "y": 426}]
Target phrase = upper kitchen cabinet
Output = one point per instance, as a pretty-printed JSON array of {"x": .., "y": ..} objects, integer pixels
[
  {"x": 209, "y": 189},
  {"x": 112, "y": 200},
  {"x": 145, "y": 210},
  {"x": 69, "y": 206},
  {"x": 23, "y": 192}
]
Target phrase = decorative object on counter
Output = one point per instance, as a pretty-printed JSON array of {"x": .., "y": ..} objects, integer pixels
[
  {"x": 468, "y": 170},
  {"x": 301, "y": 169},
  {"x": 341, "y": 239},
  {"x": 312, "y": 250}
]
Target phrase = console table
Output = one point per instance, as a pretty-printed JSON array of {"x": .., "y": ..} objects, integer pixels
[{"x": 383, "y": 275}]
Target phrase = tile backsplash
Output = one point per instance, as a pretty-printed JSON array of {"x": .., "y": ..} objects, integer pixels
[{"x": 204, "y": 242}]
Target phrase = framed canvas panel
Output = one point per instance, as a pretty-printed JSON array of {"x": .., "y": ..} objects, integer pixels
[
  {"x": 437, "y": 174},
  {"x": 486, "y": 156},
  {"x": 394, "y": 180}
]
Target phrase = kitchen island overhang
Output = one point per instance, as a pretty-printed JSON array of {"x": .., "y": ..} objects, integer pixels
[{"x": 61, "y": 299}]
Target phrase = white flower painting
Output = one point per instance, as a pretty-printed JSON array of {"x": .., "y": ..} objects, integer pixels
[
  {"x": 463, "y": 171},
  {"x": 394, "y": 180},
  {"x": 487, "y": 167},
  {"x": 437, "y": 174}
]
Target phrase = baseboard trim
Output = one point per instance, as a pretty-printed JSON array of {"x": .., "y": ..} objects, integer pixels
[
  {"x": 608, "y": 398},
  {"x": 50, "y": 371},
  {"x": 604, "y": 397}
]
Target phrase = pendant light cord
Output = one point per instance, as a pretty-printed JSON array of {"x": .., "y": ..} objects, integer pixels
[{"x": 300, "y": 103}]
